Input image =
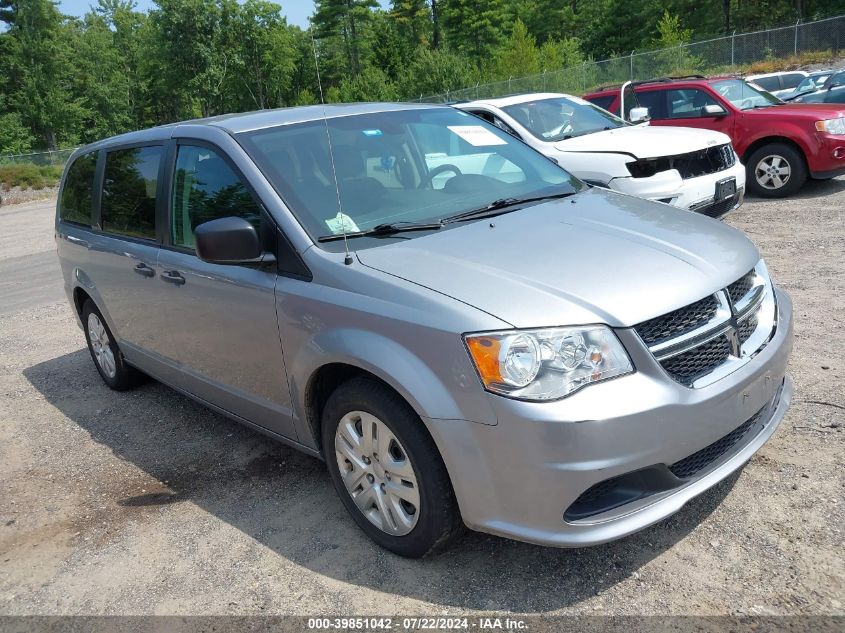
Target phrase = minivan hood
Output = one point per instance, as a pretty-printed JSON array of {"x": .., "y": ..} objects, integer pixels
[
  {"x": 645, "y": 141},
  {"x": 597, "y": 257}
]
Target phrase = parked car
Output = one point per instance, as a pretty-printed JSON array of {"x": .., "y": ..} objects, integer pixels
[
  {"x": 696, "y": 170},
  {"x": 506, "y": 348},
  {"x": 831, "y": 91},
  {"x": 780, "y": 144},
  {"x": 812, "y": 82},
  {"x": 779, "y": 84}
]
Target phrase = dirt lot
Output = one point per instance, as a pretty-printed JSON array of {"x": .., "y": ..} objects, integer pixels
[{"x": 146, "y": 503}]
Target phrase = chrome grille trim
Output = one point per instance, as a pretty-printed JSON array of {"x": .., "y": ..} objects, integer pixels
[{"x": 744, "y": 320}]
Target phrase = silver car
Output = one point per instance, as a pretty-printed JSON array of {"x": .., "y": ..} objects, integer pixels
[{"x": 464, "y": 332}]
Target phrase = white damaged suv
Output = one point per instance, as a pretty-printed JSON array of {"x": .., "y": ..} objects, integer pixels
[{"x": 690, "y": 168}]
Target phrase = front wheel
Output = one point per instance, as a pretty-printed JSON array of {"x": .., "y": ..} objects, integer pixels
[
  {"x": 108, "y": 359},
  {"x": 776, "y": 170},
  {"x": 387, "y": 470}
]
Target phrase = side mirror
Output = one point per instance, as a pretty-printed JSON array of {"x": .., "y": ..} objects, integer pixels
[
  {"x": 638, "y": 115},
  {"x": 714, "y": 109},
  {"x": 229, "y": 241}
]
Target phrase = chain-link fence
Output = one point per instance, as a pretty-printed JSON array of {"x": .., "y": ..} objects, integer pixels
[
  {"x": 719, "y": 55},
  {"x": 56, "y": 157}
]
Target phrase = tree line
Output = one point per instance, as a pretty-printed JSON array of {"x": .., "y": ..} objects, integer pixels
[{"x": 66, "y": 80}]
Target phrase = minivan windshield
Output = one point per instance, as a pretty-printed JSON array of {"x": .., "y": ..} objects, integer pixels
[
  {"x": 560, "y": 118},
  {"x": 410, "y": 167},
  {"x": 743, "y": 95}
]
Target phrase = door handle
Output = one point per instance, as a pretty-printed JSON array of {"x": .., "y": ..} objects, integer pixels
[
  {"x": 172, "y": 277},
  {"x": 144, "y": 270}
]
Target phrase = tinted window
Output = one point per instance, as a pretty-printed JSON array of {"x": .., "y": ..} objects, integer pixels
[
  {"x": 836, "y": 79},
  {"x": 603, "y": 102},
  {"x": 767, "y": 83},
  {"x": 688, "y": 103},
  {"x": 791, "y": 80},
  {"x": 206, "y": 188},
  {"x": 655, "y": 101},
  {"x": 490, "y": 118},
  {"x": 129, "y": 191},
  {"x": 77, "y": 198}
]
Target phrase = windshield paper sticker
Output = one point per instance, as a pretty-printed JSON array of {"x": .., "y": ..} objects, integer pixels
[
  {"x": 340, "y": 223},
  {"x": 477, "y": 135}
]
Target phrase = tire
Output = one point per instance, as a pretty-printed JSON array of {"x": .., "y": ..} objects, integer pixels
[
  {"x": 775, "y": 156},
  {"x": 411, "y": 525},
  {"x": 108, "y": 359}
]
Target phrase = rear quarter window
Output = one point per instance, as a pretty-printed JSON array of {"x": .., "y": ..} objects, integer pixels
[{"x": 77, "y": 202}]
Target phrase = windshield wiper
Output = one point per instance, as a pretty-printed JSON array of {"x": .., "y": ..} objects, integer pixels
[
  {"x": 383, "y": 230},
  {"x": 500, "y": 206}
]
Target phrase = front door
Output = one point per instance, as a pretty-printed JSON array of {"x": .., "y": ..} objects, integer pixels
[{"x": 222, "y": 318}]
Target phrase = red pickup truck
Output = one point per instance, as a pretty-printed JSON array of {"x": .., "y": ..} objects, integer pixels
[{"x": 780, "y": 144}]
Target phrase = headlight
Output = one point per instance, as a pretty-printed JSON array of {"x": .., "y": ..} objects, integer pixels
[
  {"x": 832, "y": 126},
  {"x": 546, "y": 364}
]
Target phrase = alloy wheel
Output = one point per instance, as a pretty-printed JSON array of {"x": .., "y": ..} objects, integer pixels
[
  {"x": 101, "y": 345},
  {"x": 772, "y": 172},
  {"x": 377, "y": 473}
]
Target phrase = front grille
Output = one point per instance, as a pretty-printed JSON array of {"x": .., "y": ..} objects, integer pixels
[
  {"x": 679, "y": 322},
  {"x": 707, "y": 161},
  {"x": 718, "y": 209},
  {"x": 697, "y": 362},
  {"x": 693, "y": 341},
  {"x": 742, "y": 286},
  {"x": 695, "y": 463}
]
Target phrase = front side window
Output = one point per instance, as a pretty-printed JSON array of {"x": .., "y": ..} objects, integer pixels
[
  {"x": 129, "y": 191},
  {"x": 655, "y": 101},
  {"x": 688, "y": 103},
  {"x": 206, "y": 188},
  {"x": 417, "y": 165},
  {"x": 743, "y": 95},
  {"x": 560, "y": 118},
  {"x": 77, "y": 195}
]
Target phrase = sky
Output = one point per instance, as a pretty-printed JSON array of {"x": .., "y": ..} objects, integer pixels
[{"x": 296, "y": 11}]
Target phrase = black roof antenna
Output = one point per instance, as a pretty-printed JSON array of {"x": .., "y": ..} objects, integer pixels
[{"x": 347, "y": 259}]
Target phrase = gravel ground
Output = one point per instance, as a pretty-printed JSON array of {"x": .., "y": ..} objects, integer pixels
[
  {"x": 146, "y": 503},
  {"x": 17, "y": 195}
]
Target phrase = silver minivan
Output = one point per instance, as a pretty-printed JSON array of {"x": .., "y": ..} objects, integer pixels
[{"x": 464, "y": 332}]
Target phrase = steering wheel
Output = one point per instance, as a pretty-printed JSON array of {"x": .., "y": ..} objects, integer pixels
[
  {"x": 445, "y": 167},
  {"x": 749, "y": 101}
]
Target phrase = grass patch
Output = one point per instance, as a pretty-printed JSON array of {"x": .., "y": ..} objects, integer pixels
[{"x": 29, "y": 176}]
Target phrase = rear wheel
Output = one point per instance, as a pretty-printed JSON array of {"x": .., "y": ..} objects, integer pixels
[
  {"x": 387, "y": 470},
  {"x": 776, "y": 170},
  {"x": 108, "y": 360}
]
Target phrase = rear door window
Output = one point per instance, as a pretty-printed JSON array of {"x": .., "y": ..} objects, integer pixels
[
  {"x": 768, "y": 83},
  {"x": 206, "y": 188},
  {"x": 77, "y": 195},
  {"x": 129, "y": 191},
  {"x": 603, "y": 102},
  {"x": 791, "y": 80},
  {"x": 655, "y": 101}
]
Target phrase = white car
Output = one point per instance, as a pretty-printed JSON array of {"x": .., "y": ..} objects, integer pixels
[
  {"x": 689, "y": 168},
  {"x": 779, "y": 84}
]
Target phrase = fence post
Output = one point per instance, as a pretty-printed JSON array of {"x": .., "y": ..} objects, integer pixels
[
  {"x": 733, "y": 43},
  {"x": 795, "y": 47},
  {"x": 632, "y": 65}
]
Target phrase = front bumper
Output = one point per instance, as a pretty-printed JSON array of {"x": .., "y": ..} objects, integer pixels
[
  {"x": 517, "y": 478},
  {"x": 691, "y": 194}
]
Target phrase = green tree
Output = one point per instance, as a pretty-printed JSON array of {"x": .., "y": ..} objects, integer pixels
[
  {"x": 347, "y": 20},
  {"x": 371, "y": 84},
  {"x": 519, "y": 55},
  {"x": 36, "y": 70},
  {"x": 15, "y": 137},
  {"x": 436, "y": 71},
  {"x": 413, "y": 21},
  {"x": 474, "y": 27},
  {"x": 674, "y": 57}
]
